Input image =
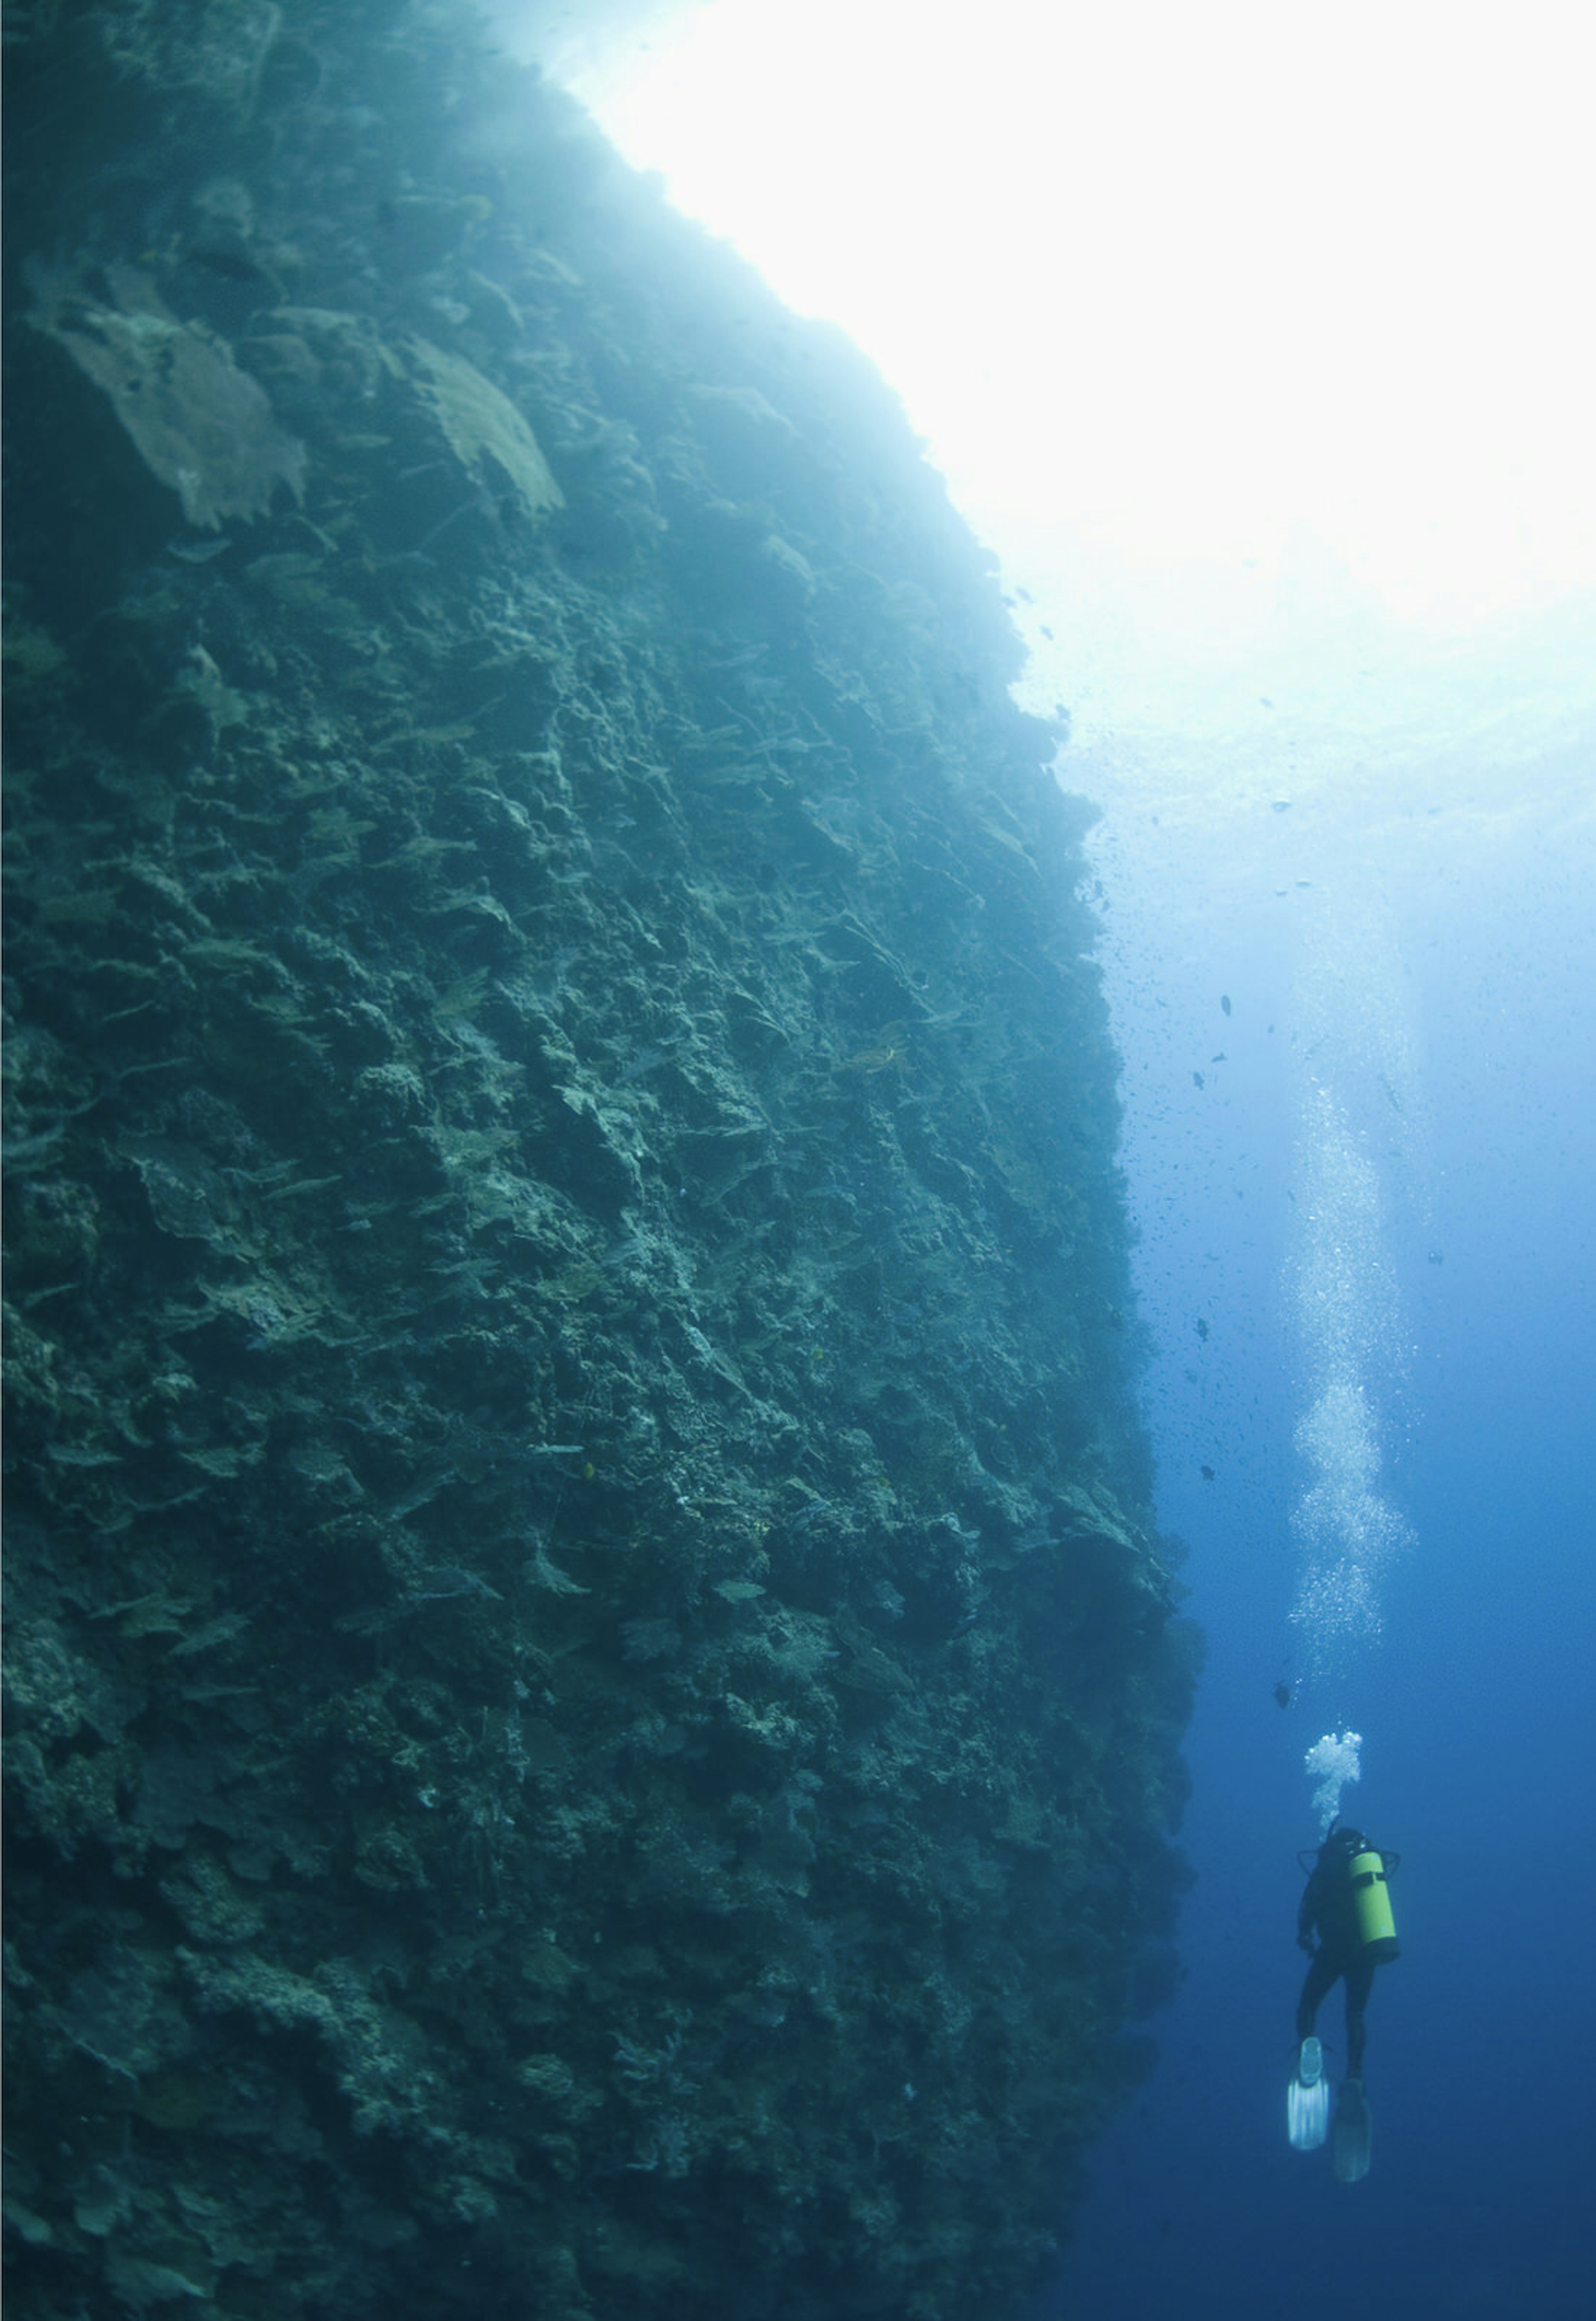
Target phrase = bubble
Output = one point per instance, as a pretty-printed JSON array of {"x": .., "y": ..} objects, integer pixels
[
  {"x": 1358, "y": 1133},
  {"x": 1334, "y": 1762}
]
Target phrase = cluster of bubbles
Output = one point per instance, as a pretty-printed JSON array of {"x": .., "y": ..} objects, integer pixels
[
  {"x": 1346, "y": 1315},
  {"x": 1334, "y": 1762},
  {"x": 1346, "y": 1531},
  {"x": 1359, "y": 1169},
  {"x": 1344, "y": 1293}
]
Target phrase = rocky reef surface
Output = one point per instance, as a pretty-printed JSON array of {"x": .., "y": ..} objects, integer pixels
[{"x": 592, "y": 1700}]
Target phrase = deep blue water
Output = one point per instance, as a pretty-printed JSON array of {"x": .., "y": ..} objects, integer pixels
[{"x": 1435, "y": 990}]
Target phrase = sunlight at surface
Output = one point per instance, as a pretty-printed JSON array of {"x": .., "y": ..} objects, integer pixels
[{"x": 1174, "y": 280}]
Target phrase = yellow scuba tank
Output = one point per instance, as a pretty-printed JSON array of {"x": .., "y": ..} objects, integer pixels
[{"x": 1377, "y": 1929}]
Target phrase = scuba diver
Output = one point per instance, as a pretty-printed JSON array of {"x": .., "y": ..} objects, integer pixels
[{"x": 1348, "y": 1904}]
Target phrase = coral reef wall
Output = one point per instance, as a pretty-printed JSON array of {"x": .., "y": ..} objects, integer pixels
[{"x": 592, "y": 1702}]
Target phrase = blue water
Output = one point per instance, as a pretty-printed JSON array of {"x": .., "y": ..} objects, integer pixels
[{"x": 1443, "y": 981}]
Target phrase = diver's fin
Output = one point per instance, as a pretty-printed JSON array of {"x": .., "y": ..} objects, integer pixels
[
  {"x": 1307, "y": 2098},
  {"x": 1354, "y": 2135}
]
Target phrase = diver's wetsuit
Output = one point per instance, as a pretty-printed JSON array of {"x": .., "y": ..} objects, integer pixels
[{"x": 1328, "y": 1903}]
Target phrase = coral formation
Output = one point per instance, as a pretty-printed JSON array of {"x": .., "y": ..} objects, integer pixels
[
  {"x": 481, "y": 424},
  {"x": 593, "y": 1701},
  {"x": 200, "y": 423}
]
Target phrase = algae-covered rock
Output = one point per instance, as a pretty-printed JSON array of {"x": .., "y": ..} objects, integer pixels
[
  {"x": 592, "y": 1696},
  {"x": 212, "y": 51}
]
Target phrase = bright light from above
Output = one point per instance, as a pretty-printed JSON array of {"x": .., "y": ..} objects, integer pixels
[{"x": 1174, "y": 279}]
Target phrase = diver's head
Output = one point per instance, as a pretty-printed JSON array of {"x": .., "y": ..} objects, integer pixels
[{"x": 1345, "y": 1840}]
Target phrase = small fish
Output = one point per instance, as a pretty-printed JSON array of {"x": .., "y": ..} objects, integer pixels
[
  {"x": 1197, "y": 1081},
  {"x": 1203, "y": 1330},
  {"x": 1206, "y": 1473},
  {"x": 1282, "y": 1693},
  {"x": 1225, "y": 1001}
]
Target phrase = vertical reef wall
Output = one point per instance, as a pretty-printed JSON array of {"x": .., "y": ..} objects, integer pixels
[{"x": 592, "y": 1702}]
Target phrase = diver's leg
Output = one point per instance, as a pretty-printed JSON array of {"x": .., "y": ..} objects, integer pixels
[
  {"x": 1360, "y": 1981},
  {"x": 1308, "y": 2096},
  {"x": 1354, "y": 2130},
  {"x": 1321, "y": 1973}
]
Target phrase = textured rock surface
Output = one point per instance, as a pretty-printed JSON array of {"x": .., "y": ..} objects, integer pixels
[{"x": 592, "y": 1703}]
